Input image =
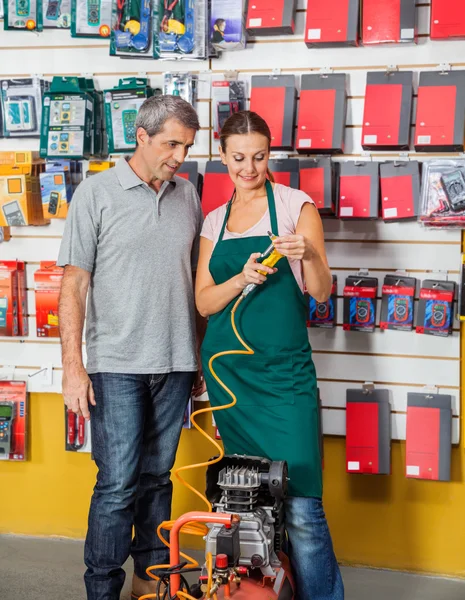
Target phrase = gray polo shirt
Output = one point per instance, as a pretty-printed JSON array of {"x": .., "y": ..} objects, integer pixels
[{"x": 140, "y": 247}]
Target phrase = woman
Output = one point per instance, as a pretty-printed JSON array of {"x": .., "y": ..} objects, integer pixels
[{"x": 276, "y": 415}]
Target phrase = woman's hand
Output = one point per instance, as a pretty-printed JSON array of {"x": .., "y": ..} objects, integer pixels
[
  {"x": 250, "y": 272},
  {"x": 295, "y": 247}
]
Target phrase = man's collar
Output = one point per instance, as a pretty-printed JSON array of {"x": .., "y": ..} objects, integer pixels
[{"x": 128, "y": 178}]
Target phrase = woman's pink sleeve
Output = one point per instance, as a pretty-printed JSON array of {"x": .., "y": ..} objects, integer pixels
[
  {"x": 296, "y": 200},
  {"x": 208, "y": 228}
]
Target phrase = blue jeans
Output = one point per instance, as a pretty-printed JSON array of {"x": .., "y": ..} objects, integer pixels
[
  {"x": 135, "y": 426},
  {"x": 314, "y": 566}
]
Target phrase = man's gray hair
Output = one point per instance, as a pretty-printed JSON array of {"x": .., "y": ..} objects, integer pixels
[{"x": 155, "y": 111}]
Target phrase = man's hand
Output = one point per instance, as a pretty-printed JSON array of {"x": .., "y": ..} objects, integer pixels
[
  {"x": 199, "y": 386},
  {"x": 78, "y": 391}
]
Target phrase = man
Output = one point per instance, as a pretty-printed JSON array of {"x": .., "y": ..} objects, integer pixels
[{"x": 131, "y": 242}]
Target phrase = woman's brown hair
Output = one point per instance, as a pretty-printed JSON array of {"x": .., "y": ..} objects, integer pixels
[{"x": 242, "y": 123}]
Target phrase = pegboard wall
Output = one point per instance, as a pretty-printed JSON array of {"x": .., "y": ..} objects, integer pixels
[{"x": 401, "y": 362}]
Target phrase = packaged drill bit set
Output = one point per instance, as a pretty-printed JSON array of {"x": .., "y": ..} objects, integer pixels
[
  {"x": 132, "y": 26},
  {"x": 180, "y": 84},
  {"x": 91, "y": 18},
  {"x": 21, "y": 103},
  {"x": 180, "y": 29},
  {"x": 443, "y": 194},
  {"x": 56, "y": 14},
  {"x": 23, "y": 14}
]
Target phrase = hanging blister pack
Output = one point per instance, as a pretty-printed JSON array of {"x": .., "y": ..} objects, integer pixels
[
  {"x": 443, "y": 194},
  {"x": 397, "y": 303},
  {"x": 91, "y": 18},
  {"x": 23, "y": 14},
  {"x": 56, "y": 14},
  {"x": 21, "y": 101},
  {"x": 180, "y": 84},
  {"x": 67, "y": 118},
  {"x": 360, "y": 303},
  {"x": 180, "y": 29},
  {"x": 323, "y": 314},
  {"x": 228, "y": 97},
  {"x": 436, "y": 308},
  {"x": 122, "y": 104},
  {"x": 132, "y": 24},
  {"x": 227, "y": 25}
]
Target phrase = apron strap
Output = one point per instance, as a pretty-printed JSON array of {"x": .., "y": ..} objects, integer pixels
[
  {"x": 228, "y": 210},
  {"x": 271, "y": 208}
]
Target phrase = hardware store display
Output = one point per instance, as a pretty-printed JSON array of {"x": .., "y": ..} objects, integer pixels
[
  {"x": 227, "y": 31},
  {"x": 217, "y": 186},
  {"x": 21, "y": 103},
  {"x": 359, "y": 190},
  {"x": 387, "y": 111},
  {"x": 5, "y": 234},
  {"x": 20, "y": 201},
  {"x": 443, "y": 193},
  {"x": 132, "y": 26},
  {"x": 56, "y": 189},
  {"x": 13, "y": 420},
  {"x": 97, "y": 166},
  {"x": 400, "y": 190},
  {"x": 368, "y": 436},
  {"x": 99, "y": 140},
  {"x": 398, "y": 302},
  {"x": 319, "y": 178},
  {"x": 180, "y": 29},
  {"x": 322, "y": 114},
  {"x": 429, "y": 425},
  {"x": 23, "y": 14},
  {"x": 440, "y": 130},
  {"x": 360, "y": 303},
  {"x": 91, "y": 18},
  {"x": 332, "y": 24},
  {"x": 190, "y": 170},
  {"x": 447, "y": 19},
  {"x": 47, "y": 284},
  {"x": 436, "y": 308},
  {"x": 323, "y": 314},
  {"x": 285, "y": 171},
  {"x": 9, "y": 300},
  {"x": 228, "y": 97},
  {"x": 389, "y": 21},
  {"x": 56, "y": 14},
  {"x": 67, "y": 115},
  {"x": 122, "y": 104},
  {"x": 180, "y": 84},
  {"x": 271, "y": 17},
  {"x": 13, "y": 275},
  {"x": 273, "y": 97}
]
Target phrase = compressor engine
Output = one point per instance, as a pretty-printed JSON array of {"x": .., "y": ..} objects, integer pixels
[{"x": 250, "y": 550}]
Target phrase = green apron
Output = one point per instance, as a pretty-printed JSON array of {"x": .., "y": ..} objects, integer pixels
[{"x": 276, "y": 415}]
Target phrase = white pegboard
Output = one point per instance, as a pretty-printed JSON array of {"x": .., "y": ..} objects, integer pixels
[{"x": 400, "y": 361}]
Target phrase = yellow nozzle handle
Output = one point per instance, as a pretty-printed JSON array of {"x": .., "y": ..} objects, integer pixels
[{"x": 271, "y": 260}]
